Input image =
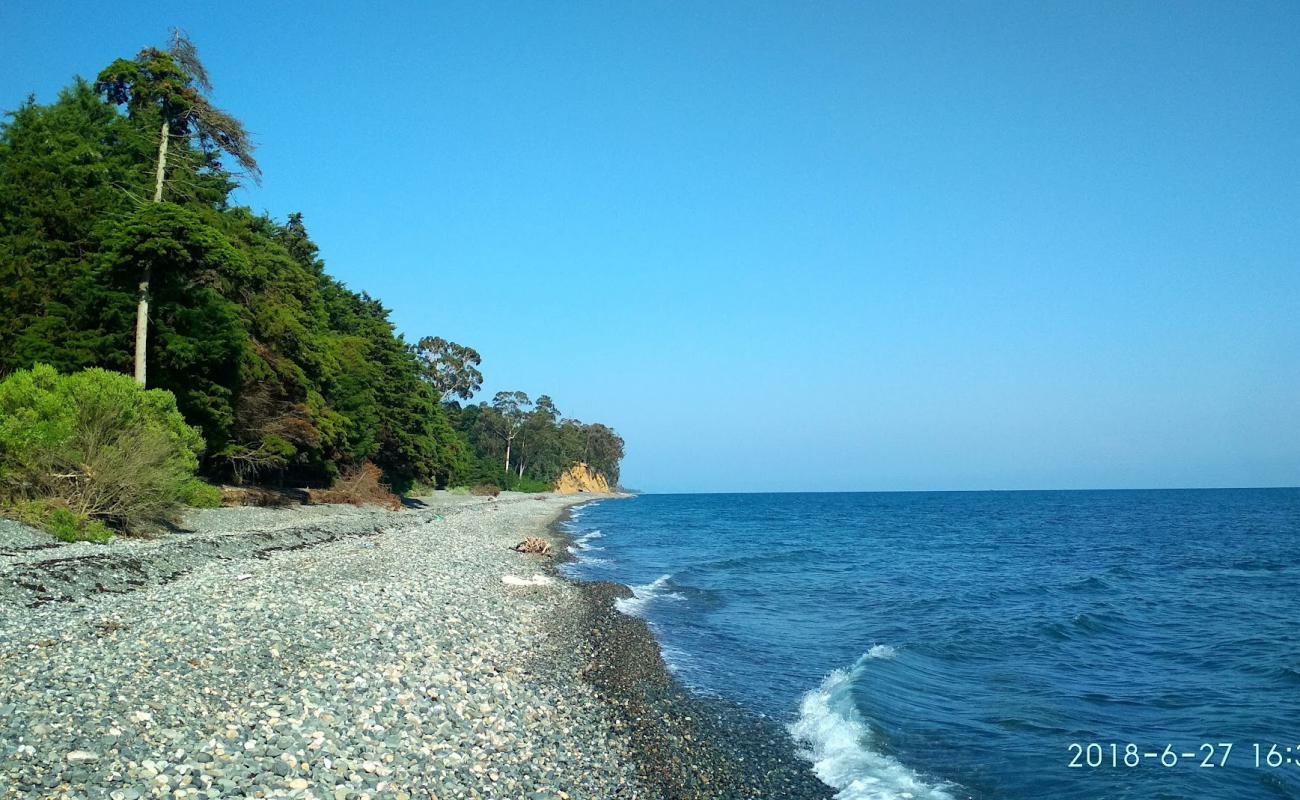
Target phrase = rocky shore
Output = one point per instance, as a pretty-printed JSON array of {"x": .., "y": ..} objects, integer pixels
[{"x": 341, "y": 654}]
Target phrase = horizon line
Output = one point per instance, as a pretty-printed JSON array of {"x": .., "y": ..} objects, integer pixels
[{"x": 976, "y": 491}]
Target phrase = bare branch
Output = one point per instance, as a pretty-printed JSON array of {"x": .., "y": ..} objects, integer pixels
[{"x": 187, "y": 55}]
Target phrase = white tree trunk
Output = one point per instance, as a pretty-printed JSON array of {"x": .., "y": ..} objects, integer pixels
[
  {"x": 507, "y": 455},
  {"x": 142, "y": 306},
  {"x": 161, "y": 169}
]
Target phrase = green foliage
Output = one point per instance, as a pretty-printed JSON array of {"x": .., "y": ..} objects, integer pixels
[
  {"x": 197, "y": 494},
  {"x": 57, "y": 520},
  {"x": 485, "y": 490},
  {"x": 94, "y": 443},
  {"x": 452, "y": 369},
  {"x": 291, "y": 377},
  {"x": 542, "y": 443},
  {"x": 172, "y": 87},
  {"x": 530, "y": 485},
  {"x": 67, "y": 526}
]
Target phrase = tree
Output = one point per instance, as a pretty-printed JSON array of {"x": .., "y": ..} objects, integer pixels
[
  {"x": 199, "y": 340},
  {"x": 290, "y": 375},
  {"x": 172, "y": 88},
  {"x": 450, "y": 368},
  {"x": 539, "y": 451},
  {"x": 513, "y": 410},
  {"x": 603, "y": 450},
  {"x": 67, "y": 171}
]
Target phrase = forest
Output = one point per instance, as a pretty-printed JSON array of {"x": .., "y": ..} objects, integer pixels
[{"x": 121, "y": 249}]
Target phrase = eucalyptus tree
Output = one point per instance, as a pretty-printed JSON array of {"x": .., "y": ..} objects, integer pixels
[
  {"x": 171, "y": 89},
  {"x": 539, "y": 450},
  {"x": 450, "y": 368},
  {"x": 512, "y": 407}
]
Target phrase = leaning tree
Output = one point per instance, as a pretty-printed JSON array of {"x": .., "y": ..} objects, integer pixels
[{"x": 171, "y": 88}]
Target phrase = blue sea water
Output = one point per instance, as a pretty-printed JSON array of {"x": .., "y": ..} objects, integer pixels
[{"x": 964, "y": 644}]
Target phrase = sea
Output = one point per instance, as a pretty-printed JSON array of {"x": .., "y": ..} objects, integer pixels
[{"x": 937, "y": 645}]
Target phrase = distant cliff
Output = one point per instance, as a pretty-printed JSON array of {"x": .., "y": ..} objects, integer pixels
[{"x": 581, "y": 478}]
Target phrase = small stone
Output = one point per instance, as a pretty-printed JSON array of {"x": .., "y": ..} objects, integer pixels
[{"x": 82, "y": 756}]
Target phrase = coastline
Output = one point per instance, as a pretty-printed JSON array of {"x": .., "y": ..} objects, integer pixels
[
  {"x": 337, "y": 653},
  {"x": 323, "y": 653},
  {"x": 684, "y": 745}
]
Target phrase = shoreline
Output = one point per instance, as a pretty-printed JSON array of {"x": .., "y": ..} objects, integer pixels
[
  {"x": 684, "y": 745},
  {"x": 338, "y": 653},
  {"x": 321, "y": 653}
]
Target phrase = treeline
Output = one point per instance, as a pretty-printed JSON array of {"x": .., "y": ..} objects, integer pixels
[
  {"x": 116, "y": 217},
  {"x": 526, "y": 445}
]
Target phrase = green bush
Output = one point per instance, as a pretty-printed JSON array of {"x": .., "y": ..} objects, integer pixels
[
  {"x": 485, "y": 490},
  {"x": 197, "y": 494},
  {"x": 94, "y": 444},
  {"x": 59, "y": 521},
  {"x": 458, "y": 490},
  {"x": 529, "y": 485},
  {"x": 70, "y": 527}
]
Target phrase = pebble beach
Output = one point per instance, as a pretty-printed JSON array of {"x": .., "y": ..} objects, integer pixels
[{"x": 338, "y": 653}]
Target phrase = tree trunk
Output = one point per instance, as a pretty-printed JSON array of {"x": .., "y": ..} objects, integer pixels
[
  {"x": 142, "y": 305},
  {"x": 507, "y": 456},
  {"x": 161, "y": 169}
]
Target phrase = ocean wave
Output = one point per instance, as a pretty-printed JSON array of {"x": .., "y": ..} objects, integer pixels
[
  {"x": 835, "y": 737},
  {"x": 642, "y": 596},
  {"x": 881, "y": 651},
  {"x": 584, "y": 542}
]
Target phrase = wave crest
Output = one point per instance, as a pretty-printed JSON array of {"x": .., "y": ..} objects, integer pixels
[
  {"x": 835, "y": 737},
  {"x": 658, "y": 589}
]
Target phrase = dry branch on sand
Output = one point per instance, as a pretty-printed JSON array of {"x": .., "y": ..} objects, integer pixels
[{"x": 533, "y": 545}]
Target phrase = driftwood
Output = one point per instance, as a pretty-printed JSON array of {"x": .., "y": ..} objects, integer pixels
[{"x": 533, "y": 545}]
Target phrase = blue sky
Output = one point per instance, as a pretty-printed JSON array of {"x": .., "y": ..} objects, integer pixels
[{"x": 805, "y": 245}]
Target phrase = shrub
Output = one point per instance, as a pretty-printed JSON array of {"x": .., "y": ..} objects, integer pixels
[
  {"x": 359, "y": 486},
  {"x": 530, "y": 485},
  {"x": 70, "y": 527},
  {"x": 197, "y": 494},
  {"x": 485, "y": 490},
  {"x": 94, "y": 444},
  {"x": 458, "y": 490},
  {"x": 59, "y": 521}
]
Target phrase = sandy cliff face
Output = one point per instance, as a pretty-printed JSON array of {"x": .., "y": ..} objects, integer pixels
[{"x": 581, "y": 478}]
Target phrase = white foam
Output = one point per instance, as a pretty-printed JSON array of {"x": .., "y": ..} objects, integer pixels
[
  {"x": 881, "y": 651},
  {"x": 536, "y": 580},
  {"x": 835, "y": 737},
  {"x": 584, "y": 542},
  {"x": 642, "y": 596}
]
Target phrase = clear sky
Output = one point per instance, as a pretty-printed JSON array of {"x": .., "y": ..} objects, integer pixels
[{"x": 859, "y": 245}]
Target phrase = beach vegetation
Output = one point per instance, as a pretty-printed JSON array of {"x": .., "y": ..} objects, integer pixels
[
  {"x": 196, "y": 493},
  {"x": 121, "y": 249},
  {"x": 92, "y": 447}
]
